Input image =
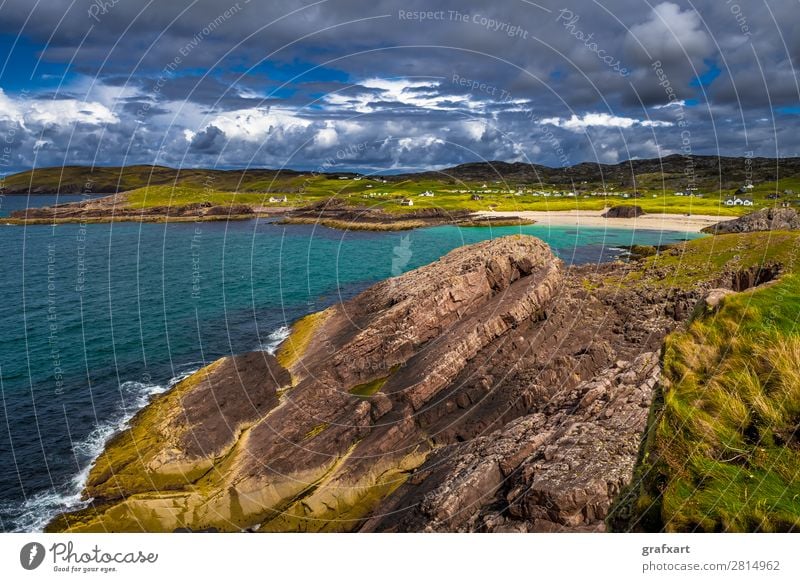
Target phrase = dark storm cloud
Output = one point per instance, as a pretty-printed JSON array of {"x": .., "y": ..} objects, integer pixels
[
  {"x": 208, "y": 141},
  {"x": 237, "y": 83}
]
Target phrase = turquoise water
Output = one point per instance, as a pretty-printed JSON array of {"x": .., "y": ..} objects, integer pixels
[{"x": 95, "y": 320}]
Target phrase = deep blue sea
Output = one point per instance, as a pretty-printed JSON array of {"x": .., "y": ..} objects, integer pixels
[{"x": 96, "y": 319}]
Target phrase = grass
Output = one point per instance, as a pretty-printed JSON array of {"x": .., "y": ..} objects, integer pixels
[
  {"x": 387, "y": 197},
  {"x": 151, "y": 196},
  {"x": 162, "y": 186},
  {"x": 148, "y": 187},
  {"x": 710, "y": 257},
  {"x": 725, "y": 452}
]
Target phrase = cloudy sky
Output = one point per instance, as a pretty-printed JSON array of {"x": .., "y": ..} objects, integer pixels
[{"x": 394, "y": 85}]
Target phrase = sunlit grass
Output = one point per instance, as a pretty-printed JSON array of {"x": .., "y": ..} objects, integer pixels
[{"x": 726, "y": 450}]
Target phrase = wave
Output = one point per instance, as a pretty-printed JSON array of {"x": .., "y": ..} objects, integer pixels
[
  {"x": 274, "y": 339},
  {"x": 39, "y": 509}
]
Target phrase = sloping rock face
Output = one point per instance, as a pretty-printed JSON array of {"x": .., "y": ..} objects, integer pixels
[
  {"x": 304, "y": 442},
  {"x": 492, "y": 390},
  {"x": 556, "y": 469},
  {"x": 766, "y": 219}
]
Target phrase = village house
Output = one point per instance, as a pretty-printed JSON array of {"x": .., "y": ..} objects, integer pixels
[
  {"x": 738, "y": 201},
  {"x": 406, "y": 202}
]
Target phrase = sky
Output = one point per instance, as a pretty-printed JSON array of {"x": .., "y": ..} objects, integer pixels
[{"x": 394, "y": 85}]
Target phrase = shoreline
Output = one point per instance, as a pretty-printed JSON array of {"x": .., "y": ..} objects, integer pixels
[
  {"x": 574, "y": 218},
  {"x": 594, "y": 218}
]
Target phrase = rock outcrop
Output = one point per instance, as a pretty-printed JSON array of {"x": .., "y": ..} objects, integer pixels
[
  {"x": 556, "y": 469},
  {"x": 623, "y": 211},
  {"x": 765, "y": 219},
  {"x": 116, "y": 207},
  {"x": 492, "y": 390}
]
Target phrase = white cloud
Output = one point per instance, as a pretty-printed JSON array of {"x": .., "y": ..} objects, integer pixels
[
  {"x": 580, "y": 123},
  {"x": 676, "y": 103},
  {"x": 68, "y": 112},
  {"x": 411, "y": 93},
  {"x": 671, "y": 35},
  {"x": 9, "y": 110},
  {"x": 256, "y": 124},
  {"x": 49, "y": 112},
  {"x": 326, "y": 137},
  {"x": 475, "y": 128}
]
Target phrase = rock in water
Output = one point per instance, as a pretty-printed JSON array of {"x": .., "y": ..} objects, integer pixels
[{"x": 489, "y": 390}]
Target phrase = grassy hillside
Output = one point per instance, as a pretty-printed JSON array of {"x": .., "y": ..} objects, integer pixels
[
  {"x": 709, "y": 258},
  {"x": 389, "y": 197},
  {"x": 519, "y": 189},
  {"x": 723, "y": 452}
]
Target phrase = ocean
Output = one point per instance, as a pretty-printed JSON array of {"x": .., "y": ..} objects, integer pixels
[{"x": 96, "y": 319}]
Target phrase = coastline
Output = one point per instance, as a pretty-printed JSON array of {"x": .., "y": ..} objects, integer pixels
[
  {"x": 576, "y": 218},
  {"x": 594, "y": 218}
]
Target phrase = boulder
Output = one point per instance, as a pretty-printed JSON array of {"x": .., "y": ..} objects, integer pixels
[{"x": 624, "y": 211}]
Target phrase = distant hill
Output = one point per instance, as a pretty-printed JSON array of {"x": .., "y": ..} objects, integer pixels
[
  {"x": 710, "y": 172},
  {"x": 671, "y": 172}
]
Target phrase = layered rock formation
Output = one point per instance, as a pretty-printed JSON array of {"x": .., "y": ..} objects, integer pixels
[
  {"x": 766, "y": 219},
  {"x": 492, "y": 390}
]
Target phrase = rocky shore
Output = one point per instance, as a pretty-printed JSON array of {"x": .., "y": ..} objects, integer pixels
[
  {"x": 493, "y": 390},
  {"x": 760, "y": 220},
  {"x": 332, "y": 213},
  {"x": 115, "y": 208}
]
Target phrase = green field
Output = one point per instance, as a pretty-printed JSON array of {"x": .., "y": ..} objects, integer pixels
[
  {"x": 150, "y": 186},
  {"x": 388, "y": 199},
  {"x": 723, "y": 452}
]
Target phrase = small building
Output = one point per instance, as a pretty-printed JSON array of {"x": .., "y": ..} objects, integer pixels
[
  {"x": 738, "y": 201},
  {"x": 406, "y": 202},
  {"x": 427, "y": 194},
  {"x": 274, "y": 199},
  {"x": 476, "y": 197}
]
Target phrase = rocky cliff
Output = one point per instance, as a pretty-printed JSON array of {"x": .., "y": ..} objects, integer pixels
[{"x": 492, "y": 390}]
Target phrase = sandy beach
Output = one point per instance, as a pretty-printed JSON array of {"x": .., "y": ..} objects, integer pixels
[{"x": 594, "y": 218}]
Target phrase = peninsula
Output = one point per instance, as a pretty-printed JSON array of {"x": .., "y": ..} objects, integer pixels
[
  {"x": 493, "y": 193},
  {"x": 492, "y": 390}
]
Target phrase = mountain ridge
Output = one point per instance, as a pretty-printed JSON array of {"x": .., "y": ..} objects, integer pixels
[{"x": 675, "y": 169}]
